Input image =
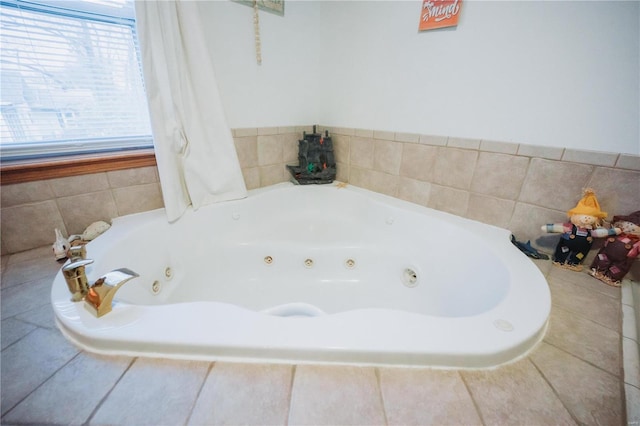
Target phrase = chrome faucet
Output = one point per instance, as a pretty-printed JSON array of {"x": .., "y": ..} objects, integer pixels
[{"x": 99, "y": 296}]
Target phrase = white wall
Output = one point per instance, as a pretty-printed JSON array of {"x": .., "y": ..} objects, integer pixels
[
  {"x": 563, "y": 74},
  {"x": 281, "y": 91}
]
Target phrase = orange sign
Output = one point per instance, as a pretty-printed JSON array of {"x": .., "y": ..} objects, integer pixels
[{"x": 439, "y": 14}]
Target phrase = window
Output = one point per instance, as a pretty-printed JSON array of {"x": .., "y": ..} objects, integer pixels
[{"x": 71, "y": 79}]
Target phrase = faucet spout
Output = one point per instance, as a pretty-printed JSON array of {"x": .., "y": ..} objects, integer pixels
[{"x": 100, "y": 295}]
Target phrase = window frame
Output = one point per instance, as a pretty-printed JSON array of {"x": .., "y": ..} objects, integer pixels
[{"x": 61, "y": 163}]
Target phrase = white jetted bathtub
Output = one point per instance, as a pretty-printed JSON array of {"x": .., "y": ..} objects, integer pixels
[{"x": 322, "y": 274}]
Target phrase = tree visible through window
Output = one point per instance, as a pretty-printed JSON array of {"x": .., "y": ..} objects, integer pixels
[{"x": 71, "y": 78}]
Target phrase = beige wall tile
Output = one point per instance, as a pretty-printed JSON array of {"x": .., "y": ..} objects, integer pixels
[
  {"x": 341, "y": 148},
  {"x": 270, "y": 175},
  {"x": 590, "y": 157},
  {"x": 30, "y": 225},
  {"x": 76, "y": 185},
  {"x": 266, "y": 131},
  {"x": 414, "y": 191},
  {"x": 129, "y": 177},
  {"x": 407, "y": 137},
  {"x": 500, "y": 175},
  {"x": 418, "y": 161},
  {"x": 289, "y": 148},
  {"x": 547, "y": 152},
  {"x": 454, "y": 167},
  {"x": 328, "y": 395},
  {"x": 247, "y": 150},
  {"x": 501, "y": 147},
  {"x": 387, "y": 156},
  {"x": 287, "y": 129},
  {"x": 617, "y": 190},
  {"x": 374, "y": 181},
  {"x": 491, "y": 210},
  {"x": 251, "y": 177},
  {"x": 347, "y": 131},
  {"x": 363, "y": 133},
  {"x": 554, "y": 184},
  {"x": 515, "y": 394},
  {"x": 433, "y": 140},
  {"x": 251, "y": 131},
  {"x": 80, "y": 211},
  {"x": 269, "y": 150},
  {"x": 626, "y": 161},
  {"x": 27, "y": 192},
  {"x": 361, "y": 154},
  {"x": 464, "y": 143},
  {"x": 244, "y": 394},
  {"x": 426, "y": 397},
  {"x": 138, "y": 198},
  {"x": 380, "y": 134},
  {"x": 342, "y": 172},
  {"x": 526, "y": 221},
  {"x": 448, "y": 200}
]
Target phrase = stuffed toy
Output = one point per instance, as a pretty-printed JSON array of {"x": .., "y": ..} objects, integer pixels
[
  {"x": 618, "y": 254},
  {"x": 578, "y": 234}
]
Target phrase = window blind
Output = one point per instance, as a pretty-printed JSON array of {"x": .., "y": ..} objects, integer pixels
[{"x": 71, "y": 79}]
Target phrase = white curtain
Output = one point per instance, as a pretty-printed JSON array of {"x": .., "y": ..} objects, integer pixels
[{"x": 196, "y": 156}]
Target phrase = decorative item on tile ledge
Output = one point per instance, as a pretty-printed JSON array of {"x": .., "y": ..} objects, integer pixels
[
  {"x": 317, "y": 163},
  {"x": 578, "y": 234},
  {"x": 615, "y": 259}
]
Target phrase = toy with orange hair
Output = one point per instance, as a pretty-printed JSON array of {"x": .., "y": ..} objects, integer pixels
[{"x": 578, "y": 234}]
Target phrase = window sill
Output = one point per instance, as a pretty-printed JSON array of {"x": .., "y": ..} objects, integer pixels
[{"x": 32, "y": 170}]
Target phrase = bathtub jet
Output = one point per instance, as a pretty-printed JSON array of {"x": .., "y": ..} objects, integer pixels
[{"x": 313, "y": 274}]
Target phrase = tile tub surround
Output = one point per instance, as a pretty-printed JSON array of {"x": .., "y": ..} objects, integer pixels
[
  {"x": 574, "y": 376},
  {"x": 514, "y": 186},
  {"x": 32, "y": 210}
]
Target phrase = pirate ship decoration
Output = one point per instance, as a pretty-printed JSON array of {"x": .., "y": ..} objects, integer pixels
[{"x": 317, "y": 163}]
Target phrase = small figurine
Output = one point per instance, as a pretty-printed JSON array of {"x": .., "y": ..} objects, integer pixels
[
  {"x": 618, "y": 254},
  {"x": 577, "y": 235},
  {"x": 60, "y": 246}
]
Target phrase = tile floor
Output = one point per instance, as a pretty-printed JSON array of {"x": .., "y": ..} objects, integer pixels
[{"x": 574, "y": 376}]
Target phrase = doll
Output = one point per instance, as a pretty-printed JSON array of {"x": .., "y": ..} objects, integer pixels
[
  {"x": 578, "y": 234},
  {"x": 614, "y": 260}
]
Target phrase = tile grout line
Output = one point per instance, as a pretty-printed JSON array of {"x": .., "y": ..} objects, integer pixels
[
  {"x": 553, "y": 389},
  {"x": 473, "y": 400},
  {"x": 41, "y": 383},
  {"x": 380, "y": 395},
  {"x": 22, "y": 337},
  {"x": 195, "y": 400},
  {"x": 294, "y": 369},
  {"x": 584, "y": 360},
  {"x": 106, "y": 395}
]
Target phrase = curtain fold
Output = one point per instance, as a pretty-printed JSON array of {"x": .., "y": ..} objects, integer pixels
[{"x": 196, "y": 156}]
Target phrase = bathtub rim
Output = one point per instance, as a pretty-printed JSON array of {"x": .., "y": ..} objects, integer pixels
[{"x": 71, "y": 325}]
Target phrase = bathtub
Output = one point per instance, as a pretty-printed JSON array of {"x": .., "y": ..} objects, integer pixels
[{"x": 313, "y": 274}]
